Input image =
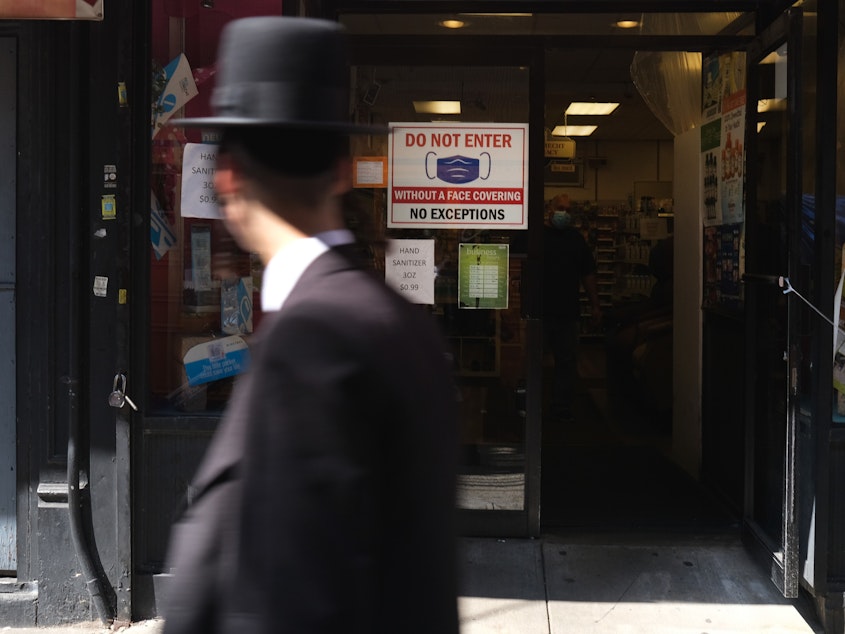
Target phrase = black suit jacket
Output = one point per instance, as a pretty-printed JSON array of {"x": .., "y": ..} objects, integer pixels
[{"x": 326, "y": 500}]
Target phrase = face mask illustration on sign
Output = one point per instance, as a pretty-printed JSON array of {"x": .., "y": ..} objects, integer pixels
[{"x": 457, "y": 169}]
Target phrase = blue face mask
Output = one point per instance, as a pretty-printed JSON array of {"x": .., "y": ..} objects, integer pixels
[{"x": 561, "y": 219}]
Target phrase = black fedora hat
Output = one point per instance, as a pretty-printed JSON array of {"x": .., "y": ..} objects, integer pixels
[{"x": 282, "y": 72}]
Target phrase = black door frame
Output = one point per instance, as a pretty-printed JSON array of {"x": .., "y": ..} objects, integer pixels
[
  {"x": 828, "y": 537},
  {"x": 781, "y": 558},
  {"x": 438, "y": 51}
]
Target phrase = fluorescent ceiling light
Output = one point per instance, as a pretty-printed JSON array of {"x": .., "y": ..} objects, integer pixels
[
  {"x": 502, "y": 15},
  {"x": 437, "y": 107},
  {"x": 574, "y": 130},
  {"x": 626, "y": 24},
  {"x": 452, "y": 24},
  {"x": 591, "y": 107}
]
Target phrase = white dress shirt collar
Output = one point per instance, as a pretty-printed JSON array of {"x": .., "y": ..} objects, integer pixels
[
  {"x": 284, "y": 270},
  {"x": 286, "y": 267}
]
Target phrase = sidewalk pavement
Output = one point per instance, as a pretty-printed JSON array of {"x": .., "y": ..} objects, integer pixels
[{"x": 597, "y": 584}]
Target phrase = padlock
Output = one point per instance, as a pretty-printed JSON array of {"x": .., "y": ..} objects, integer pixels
[{"x": 117, "y": 398}]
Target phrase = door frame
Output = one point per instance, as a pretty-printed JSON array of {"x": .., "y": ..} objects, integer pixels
[
  {"x": 485, "y": 51},
  {"x": 8, "y": 213}
]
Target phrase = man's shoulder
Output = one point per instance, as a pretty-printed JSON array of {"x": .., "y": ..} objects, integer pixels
[{"x": 350, "y": 294}]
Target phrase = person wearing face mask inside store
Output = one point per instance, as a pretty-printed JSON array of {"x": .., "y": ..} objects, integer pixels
[{"x": 568, "y": 264}]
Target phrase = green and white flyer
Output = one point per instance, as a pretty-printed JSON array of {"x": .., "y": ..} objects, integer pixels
[{"x": 483, "y": 275}]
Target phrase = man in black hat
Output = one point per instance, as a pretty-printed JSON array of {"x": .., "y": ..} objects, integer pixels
[{"x": 325, "y": 502}]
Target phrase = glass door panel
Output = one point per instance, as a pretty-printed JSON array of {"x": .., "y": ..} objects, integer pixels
[
  {"x": 779, "y": 322},
  {"x": 486, "y": 334}
]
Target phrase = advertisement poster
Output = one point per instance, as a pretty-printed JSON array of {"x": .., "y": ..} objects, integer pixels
[
  {"x": 723, "y": 139},
  {"x": 732, "y": 154},
  {"x": 216, "y": 359},
  {"x": 723, "y": 257},
  {"x": 483, "y": 275},
  {"x": 199, "y": 200},
  {"x": 458, "y": 176},
  {"x": 711, "y": 90},
  {"x": 409, "y": 269},
  {"x": 236, "y": 306},
  {"x": 722, "y": 173},
  {"x": 711, "y": 136}
]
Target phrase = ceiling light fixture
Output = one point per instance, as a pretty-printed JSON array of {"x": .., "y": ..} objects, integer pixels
[
  {"x": 437, "y": 107},
  {"x": 502, "y": 15},
  {"x": 626, "y": 24},
  {"x": 452, "y": 24},
  {"x": 591, "y": 107},
  {"x": 574, "y": 130}
]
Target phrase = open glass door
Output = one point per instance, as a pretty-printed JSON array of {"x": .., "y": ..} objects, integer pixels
[{"x": 777, "y": 321}]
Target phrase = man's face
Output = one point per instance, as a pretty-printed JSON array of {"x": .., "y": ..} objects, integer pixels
[{"x": 228, "y": 184}]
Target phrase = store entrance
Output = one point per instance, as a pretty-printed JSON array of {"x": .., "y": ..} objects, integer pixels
[
  {"x": 613, "y": 462},
  {"x": 611, "y": 466}
]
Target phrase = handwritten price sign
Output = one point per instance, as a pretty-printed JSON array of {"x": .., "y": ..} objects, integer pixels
[
  {"x": 409, "y": 268},
  {"x": 199, "y": 200}
]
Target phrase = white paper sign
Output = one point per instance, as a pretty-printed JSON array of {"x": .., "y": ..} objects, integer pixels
[
  {"x": 101, "y": 286},
  {"x": 369, "y": 172},
  {"x": 409, "y": 268},
  {"x": 199, "y": 200},
  {"x": 654, "y": 228},
  {"x": 458, "y": 176}
]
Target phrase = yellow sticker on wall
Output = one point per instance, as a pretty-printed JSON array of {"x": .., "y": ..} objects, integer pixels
[{"x": 108, "y": 206}]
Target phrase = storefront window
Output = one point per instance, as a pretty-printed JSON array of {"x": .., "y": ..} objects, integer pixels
[
  {"x": 460, "y": 259},
  {"x": 204, "y": 302},
  {"x": 205, "y": 291}
]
